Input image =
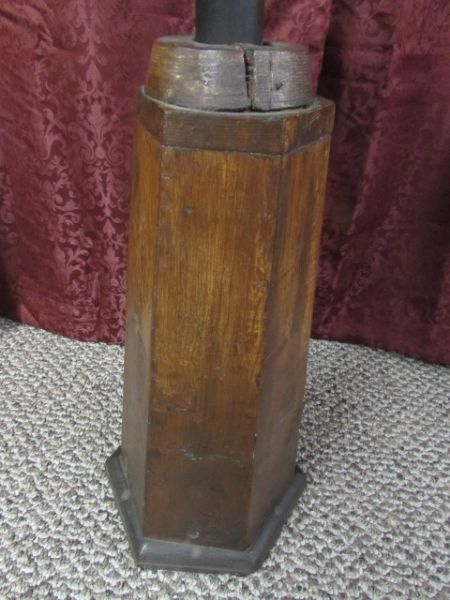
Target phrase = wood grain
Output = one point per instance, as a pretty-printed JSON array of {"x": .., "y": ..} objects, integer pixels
[
  {"x": 236, "y": 77},
  {"x": 277, "y": 132},
  {"x": 223, "y": 251},
  {"x": 143, "y": 227},
  {"x": 280, "y": 76},
  {"x": 187, "y": 73},
  {"x": 288, "y": 326}
]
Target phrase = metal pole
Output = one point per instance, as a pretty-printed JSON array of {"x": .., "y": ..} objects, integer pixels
[{"x": 229, "y": 21}]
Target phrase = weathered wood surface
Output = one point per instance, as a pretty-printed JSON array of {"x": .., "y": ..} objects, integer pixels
[
  {"x": 223, "y": 251},
  {"x": 236, "y": 77}
]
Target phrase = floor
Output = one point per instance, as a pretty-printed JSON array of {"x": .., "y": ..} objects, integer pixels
[{"x": 374, "y": 442}]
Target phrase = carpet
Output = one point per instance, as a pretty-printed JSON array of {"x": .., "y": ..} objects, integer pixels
[{"x": 374, "y": 443}]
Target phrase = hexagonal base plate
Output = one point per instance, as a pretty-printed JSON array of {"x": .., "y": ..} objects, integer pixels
[{"x": 160, "y": 554}]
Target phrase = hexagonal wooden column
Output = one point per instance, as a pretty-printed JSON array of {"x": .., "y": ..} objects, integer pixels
[{"x": 223, "y": 246}]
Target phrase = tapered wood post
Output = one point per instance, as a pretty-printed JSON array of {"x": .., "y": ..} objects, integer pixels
[{"x": 229, "y": 175}]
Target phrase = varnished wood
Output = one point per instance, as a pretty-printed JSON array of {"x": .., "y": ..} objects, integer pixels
[
  {"x": 290, "y": 303},
  {"x": 223, "y": 251},
  {"x": 143, "y": 231}
]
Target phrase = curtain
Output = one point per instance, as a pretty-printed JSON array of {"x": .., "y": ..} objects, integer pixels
[
  {"x": 70, "y": 69},
  {"x": 384, "y": 275}
]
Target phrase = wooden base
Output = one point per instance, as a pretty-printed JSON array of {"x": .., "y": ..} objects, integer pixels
[{"x": 151, "y": 553}]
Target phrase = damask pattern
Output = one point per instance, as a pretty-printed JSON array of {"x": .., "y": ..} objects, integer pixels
[
  {"x": 70, "y": 69},
  {"x": 385, "y": 265}
]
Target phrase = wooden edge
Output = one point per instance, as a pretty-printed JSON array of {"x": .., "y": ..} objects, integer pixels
[{"x": 272, "y": 133}]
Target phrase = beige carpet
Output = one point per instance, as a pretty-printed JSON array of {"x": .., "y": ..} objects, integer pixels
[{"x": 373, "y": 523}]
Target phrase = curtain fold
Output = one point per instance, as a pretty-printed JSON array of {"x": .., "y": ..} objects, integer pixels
[
  {"x": 70, "y": 69},
  {"x": 384, "y": 275}
]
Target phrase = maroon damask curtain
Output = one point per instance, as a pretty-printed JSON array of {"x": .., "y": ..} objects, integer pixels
[
  {"x": 385, "y": 265},
  {"x": 69, "y": 71}
]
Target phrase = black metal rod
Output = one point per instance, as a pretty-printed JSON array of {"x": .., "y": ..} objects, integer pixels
[{"x": 229, "y": 21}]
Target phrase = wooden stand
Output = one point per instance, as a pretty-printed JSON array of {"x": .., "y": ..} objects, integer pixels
[{"x": 223, "y": 246}]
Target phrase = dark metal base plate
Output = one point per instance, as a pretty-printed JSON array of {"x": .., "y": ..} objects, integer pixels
[{"x": 186, "y": 556}]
